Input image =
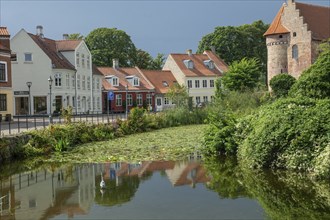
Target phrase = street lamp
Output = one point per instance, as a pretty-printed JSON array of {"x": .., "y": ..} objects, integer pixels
[
  {"x": 126, "y": 100},
  {"x": 50, "y": 81},
  {"x": 29, "y": 84}
]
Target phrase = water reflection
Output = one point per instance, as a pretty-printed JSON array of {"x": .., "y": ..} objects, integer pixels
[{"x": 68, "y": 191}]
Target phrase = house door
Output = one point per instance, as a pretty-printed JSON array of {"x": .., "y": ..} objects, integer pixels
[
  {"x": 22, "y": 105},
  {"x": 58, "y": 103},
  {"x": 159, "y": 105}
]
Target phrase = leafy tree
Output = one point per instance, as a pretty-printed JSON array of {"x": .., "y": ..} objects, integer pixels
[
  {"x": 281, "y": 84},
  {"x": 235, "y": 43},
  {"x": 106, "y": 44},
  {"x": 143, "y": 59},
  {"x": 76, "y": 36},
  {"x": 158, "y": 62},
  {"x": 315, "y": 81},
  {"x": 178, "y": 94},
  {"x": 242, "y": 75}
]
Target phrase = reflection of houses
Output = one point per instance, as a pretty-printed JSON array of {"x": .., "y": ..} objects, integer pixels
[
  {"x": 68, "y": 62},
  {"x": 6, "y": 96},
  {"x": 129, "y": 87},
  {"x": 197, "y": 72},
  {"x": 44, "y": 194},
  {"x": 162, "y": 81},
  {"x": 72, "y": 190}
]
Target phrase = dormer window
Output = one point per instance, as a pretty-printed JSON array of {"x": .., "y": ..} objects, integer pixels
[
  {"x": 165, "y": 84},
  {"x": 113, "y": 80},
  {"x": 133, "y": 80},
  {"x": 189, "y": 64},
  {"x": 209, "y": 64},
  {"x": 136, "y": 81}
]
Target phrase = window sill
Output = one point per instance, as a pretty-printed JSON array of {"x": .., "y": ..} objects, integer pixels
[{"x": 28, "y": 62}]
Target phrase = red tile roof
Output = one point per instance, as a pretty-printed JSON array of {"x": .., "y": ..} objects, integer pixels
[
  {"x": 316, "y": 17},
  {"x": 49, "y": 47},
  {"x": 122, "y": 73},
  {"x": 199, "y": 68},
  {"x": 158, "y": 77},
  {"x": 67, "y": 45},
  {"x": 4, "y": 32},
  {"x": 276, "y": 26}
]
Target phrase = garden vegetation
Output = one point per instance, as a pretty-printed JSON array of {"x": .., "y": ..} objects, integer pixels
[{"x": 289, "y": 129}]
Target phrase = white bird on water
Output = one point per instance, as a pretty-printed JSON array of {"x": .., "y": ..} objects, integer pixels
[{"x": 102, "y": 183}]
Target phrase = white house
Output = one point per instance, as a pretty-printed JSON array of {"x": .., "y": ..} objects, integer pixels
[
  {"x": 197, "y": 72},
  {"x": 67, "y": 62}
]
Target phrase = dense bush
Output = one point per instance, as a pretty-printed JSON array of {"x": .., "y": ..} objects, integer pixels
[
  {"x": 219, "y": 137},
  {"x": 281, "y": 84},
  {"x": 290, "y": 133},
  {"x": 315, "y": 81}
]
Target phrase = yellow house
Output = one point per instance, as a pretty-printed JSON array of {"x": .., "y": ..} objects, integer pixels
[{"x": 6, "y": 93}]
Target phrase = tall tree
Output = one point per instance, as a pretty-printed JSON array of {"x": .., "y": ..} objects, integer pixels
[
  {"x": 143, "y": 59},
  {"x": 107, "y": 44},
  {"x": 242, "y": 75},
  {"x": 235, "y": 43}
]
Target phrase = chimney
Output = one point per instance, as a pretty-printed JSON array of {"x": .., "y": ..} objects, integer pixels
[
  {"x": 115, "y": 63},
  {"x": 189, "y": 52},
  {"x": 40, "y": 31},
  {"x": 212, "y": 48},
  {"x": 65, "y": 37}
]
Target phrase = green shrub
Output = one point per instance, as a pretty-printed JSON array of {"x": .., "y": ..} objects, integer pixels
[
  {"x": 315, "y": 81},
  {"x": 219, "y": 137},
  {"x": 290, "y": 133},
  {"x": 281, "y": 84}
]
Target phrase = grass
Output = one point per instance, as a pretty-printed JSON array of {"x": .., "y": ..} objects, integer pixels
[{"x": 174, "y": 143}]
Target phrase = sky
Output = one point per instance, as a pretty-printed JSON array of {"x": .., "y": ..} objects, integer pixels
[{"x": 155, "y": 26}]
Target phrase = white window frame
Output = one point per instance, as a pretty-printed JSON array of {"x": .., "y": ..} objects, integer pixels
[
  {"x": 204, "y": 83},
  {"x": 136, "y": 81},
  {"x": 67, "y": 80},
  {"x": 83, "y": 82},
  {"x": 189, "y": 82},
  {"x": 211, "y": 83},
  {"x": 58, "y": 80},
  {"x": 129, "y": 100},
  {"x": 88, "y": 82},
  {"x": 139, "y": 99},
  {"x": 149, "y": 99},
  {"x": 197, "y": 83},
  {"x": 78, "y": 81},
  {"x": 77, "y": 59},
  {"x": 6, "y": 71},
  {"x": 119, "y": 100},
  {"x": 166, "y": 101},
  {"x": 28, "y": 60},
  {"x": 115, "y": 81}
]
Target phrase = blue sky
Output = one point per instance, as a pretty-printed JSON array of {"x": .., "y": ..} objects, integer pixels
[{"x": 157, "y": 26}]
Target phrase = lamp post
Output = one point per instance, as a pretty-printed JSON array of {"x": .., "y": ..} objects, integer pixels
[
  {"x": 126, "y": 111},
  {"x": 29, "y": 84},
  {"x": 50, "y": 81}
]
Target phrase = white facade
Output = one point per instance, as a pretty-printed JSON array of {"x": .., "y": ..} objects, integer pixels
[
  {"x": 201, "y": 89},
  {"x": 67, "y": 83}
]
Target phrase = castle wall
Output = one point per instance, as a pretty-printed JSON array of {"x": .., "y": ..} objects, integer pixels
[{"x": 299, "y": 36}]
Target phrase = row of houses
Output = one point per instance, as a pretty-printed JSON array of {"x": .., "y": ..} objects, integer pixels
[{"x": 41, "y": 75}]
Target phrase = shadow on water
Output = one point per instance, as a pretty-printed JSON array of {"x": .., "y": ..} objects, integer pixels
[
  {"x": 74, "y": 189},
  {"x": 282, "y": 194}
]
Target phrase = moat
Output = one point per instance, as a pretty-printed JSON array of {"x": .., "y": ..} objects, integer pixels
[{"x": 190, "y": 189}]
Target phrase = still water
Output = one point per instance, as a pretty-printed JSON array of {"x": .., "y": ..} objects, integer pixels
[{"x": 190, "y": 189}]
